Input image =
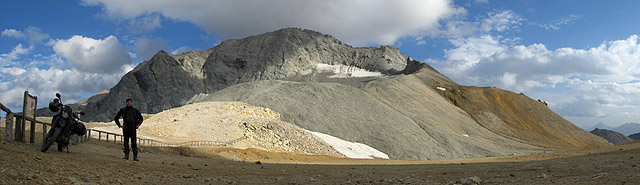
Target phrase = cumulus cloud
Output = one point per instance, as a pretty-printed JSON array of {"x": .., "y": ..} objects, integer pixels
[
  {"x": 32, "y": 33},
  {"x": 13, "y": 33},
  {"x": 93, "y": 55},
  {"x": 44, "y": 83},
  {"x": 8, "y": 58},
  {"x": 147, "y": 47},
  {"x": 485, "y": 60},
  {"x": 356, "y": 22},
  {"x": 495, "y": 21},
  {"x": 584, "y": 85}
]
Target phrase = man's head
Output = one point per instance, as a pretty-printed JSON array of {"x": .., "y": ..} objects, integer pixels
[{"x": 129, "y": 102}]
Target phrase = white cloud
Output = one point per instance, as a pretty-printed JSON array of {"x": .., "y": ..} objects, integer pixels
[
  {"x": 482, "y": 1},
  {"x": 8, "y": 58},
  {"x": 147, "y": 47},
  {"x": 32, "y": 33},
  {"x": 13, "y": 33},
  {"x": 35, "y": 34},
  {"x": 497, "y": 21},
  {"x": 558, "y": 23},
  {"x": 593, "y": 81},
  {"x": 91, "y": 55},
  {"x": 485, "y": 59},
  {"x": 585, "y": 86},
  {"x": 355, "y": 22},
  {"x": 501, "y": 21},
  {"x": 13, "y": 71},
  {"x": 145, "y": 23},
  {"x": 44, "y": 83},
  {"x": 181, "y": 50}
]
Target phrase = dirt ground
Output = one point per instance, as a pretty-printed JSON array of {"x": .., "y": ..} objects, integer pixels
[{"x": 99, "y": 162}]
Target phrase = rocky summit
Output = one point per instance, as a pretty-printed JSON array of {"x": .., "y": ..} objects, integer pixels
[
  {"x": 371, "y": 95},
  {"x": 167, "y": 81}
]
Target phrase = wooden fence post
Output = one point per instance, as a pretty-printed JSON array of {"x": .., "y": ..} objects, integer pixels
[
  {"x": 89, "y": 136},
  {"x": 9, "y": 127},
  {"x": 32, "y": 132},
  {"x": 44, "y": 131},
  {"x": 19, "y": 132},
  {"x": 107, "y": 137},
  {"x": 114, "y": 138}
]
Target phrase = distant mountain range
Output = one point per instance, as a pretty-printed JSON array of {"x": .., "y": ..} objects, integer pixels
[
  {"x": 611, "y": 136},
  {"x": 624, "y": 129}
]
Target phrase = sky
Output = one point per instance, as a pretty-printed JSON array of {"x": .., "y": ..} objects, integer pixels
[{"x": 580, "y": 56}]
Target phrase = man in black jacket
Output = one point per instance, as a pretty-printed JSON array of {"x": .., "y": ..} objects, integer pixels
[{"x": 132, "y": 120}]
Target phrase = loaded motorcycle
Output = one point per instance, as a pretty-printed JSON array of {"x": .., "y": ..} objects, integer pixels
[{"x": 63, "y": 125}]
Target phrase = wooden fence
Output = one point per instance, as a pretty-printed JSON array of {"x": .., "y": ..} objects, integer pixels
[
  {"x": 18, "y": 132},
  {"x": 113, "y": 137}
]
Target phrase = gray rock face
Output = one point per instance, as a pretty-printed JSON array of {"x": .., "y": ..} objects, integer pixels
[
  {"x": 611, "y": 136},
  {"x": 288, "y": 52},
  {"x": 167, "y": 81}
]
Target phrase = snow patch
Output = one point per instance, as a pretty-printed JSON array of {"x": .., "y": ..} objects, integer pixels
[
  {"x": 351, "y": 149},
  {"x": 343, "y": 71},
  {"x": 441, "y": 88}
]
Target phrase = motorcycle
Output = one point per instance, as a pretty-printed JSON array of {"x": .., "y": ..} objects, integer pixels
[{"x": 63, "y": 125}]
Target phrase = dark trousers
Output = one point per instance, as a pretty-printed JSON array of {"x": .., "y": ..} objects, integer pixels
[{"x": 130, "y": 132}]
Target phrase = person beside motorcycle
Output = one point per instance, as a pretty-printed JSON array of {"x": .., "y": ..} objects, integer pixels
[{"x": 132, "y": 120}]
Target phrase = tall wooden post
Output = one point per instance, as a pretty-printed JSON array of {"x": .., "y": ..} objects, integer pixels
[
  {"x": 9, "y": 127},
  {"x": 29, "y": 113},
  {"x": 19, "y": 132}
]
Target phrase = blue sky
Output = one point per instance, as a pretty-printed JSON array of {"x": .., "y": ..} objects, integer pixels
[{"x": 582, "y": 57}]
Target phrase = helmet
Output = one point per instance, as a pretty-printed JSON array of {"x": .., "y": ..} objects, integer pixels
[{"x": 54, "y": 105}]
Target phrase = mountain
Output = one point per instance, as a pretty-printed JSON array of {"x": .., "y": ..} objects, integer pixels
[
  {"x": 628, "y": 128},
  {"x": 371, "y": 95},
  {"x": 635, "y": 136},
  {"x": 600, "y": 125},
  {"x": 611, "y": 136},
  {"x": 625, "y": 129},
  {"x": 167, "y": 81}
]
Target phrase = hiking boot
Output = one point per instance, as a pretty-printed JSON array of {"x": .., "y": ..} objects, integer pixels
[{"x": 126, "y": 156}]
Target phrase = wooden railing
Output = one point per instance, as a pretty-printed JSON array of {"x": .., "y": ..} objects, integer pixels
[
  {"x": 18, "y": 133},
  {"x": 114, "y": 137}
]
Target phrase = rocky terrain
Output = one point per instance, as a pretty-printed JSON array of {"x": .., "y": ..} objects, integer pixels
[
  {"x": 611, "y": 136},
  {"x": 99, "y": 162},
  {"x": 235, "y": 125}
]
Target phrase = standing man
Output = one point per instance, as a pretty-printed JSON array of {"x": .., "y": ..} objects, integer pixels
[{"x": 132, "y": 120}]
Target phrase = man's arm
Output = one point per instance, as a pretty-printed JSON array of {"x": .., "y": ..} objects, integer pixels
[
  {"x": 118, "y": 117},
  {"x": 140, "y": 118}
]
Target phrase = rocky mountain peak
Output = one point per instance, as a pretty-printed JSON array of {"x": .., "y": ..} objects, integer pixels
[{"x": 167, "y": 81}]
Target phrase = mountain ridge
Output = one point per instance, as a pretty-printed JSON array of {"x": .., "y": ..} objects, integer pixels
[{"x": 372, "y": 95}]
